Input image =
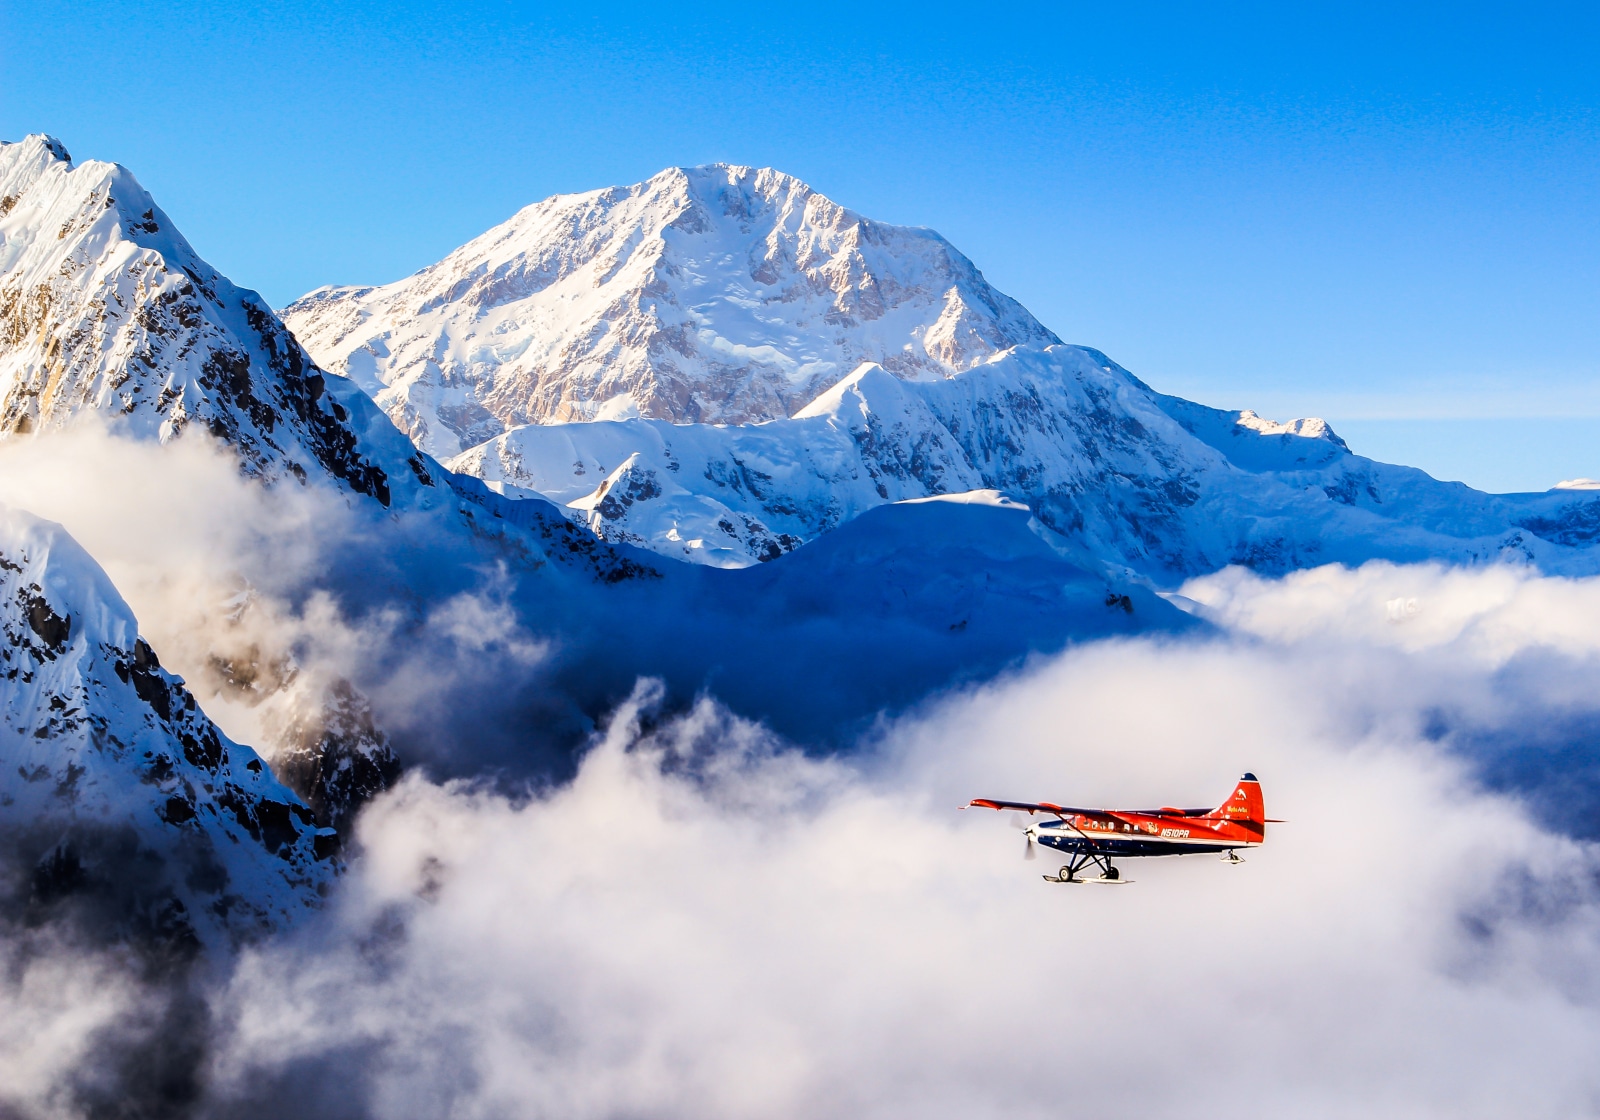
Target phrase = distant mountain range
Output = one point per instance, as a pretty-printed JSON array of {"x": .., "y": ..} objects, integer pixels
[{"x": 719, "y": 364}]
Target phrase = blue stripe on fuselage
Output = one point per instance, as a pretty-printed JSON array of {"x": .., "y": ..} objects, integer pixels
[{"x": 1119, "y": 847}]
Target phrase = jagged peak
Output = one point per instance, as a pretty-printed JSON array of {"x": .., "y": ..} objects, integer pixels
[
  {"x": 704, "y": 178},
  {"x": 38, "y": 168},
  {"x": 34, "y": 145},
  {"x": 24, "y": 162},
  {"x": 869, "y": 386},
  {"x": 762, "y": 182},
  {"x": 719, "y": 190},
  {"x": 1306, "y": 427},
  {"x": 106, "y": 755},
  {"x": 112, "y": 312}
]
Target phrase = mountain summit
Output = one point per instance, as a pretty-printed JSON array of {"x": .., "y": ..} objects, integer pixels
[
  {"x": 718, "y": 294},
  {"x": 105, "y": 308}
]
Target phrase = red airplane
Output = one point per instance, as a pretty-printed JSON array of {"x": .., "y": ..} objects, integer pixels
[{"x": 1094, "y": 836}]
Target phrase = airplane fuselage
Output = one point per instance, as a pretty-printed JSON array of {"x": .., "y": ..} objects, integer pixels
[{"x": 1130, "y": 834}]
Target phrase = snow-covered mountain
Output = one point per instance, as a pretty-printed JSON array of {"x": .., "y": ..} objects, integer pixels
[
  {"x": 1127, "y": 477},
  {"x": 730, "y": 496},
  {"x": 117, "y": 794},
  {"x": 714, "y": 294},
  {"x": 108, "y": 314},
  {"x": 719, "y": 364},
  {"x": 905, "y": 599},
  {"x": 105, "y": 308}
]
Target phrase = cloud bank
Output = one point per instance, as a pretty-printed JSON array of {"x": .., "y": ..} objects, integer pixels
[{"x": 704, "y": 923}]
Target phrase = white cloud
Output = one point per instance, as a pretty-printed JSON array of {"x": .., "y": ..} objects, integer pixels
[
  {"x": 705, "y": 924},
  {"x": 1487, "y": 615},
  {"x": 53, "y": 1003}
]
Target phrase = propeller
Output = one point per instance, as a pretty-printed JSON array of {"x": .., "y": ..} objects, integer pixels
[{"x": 1025, "y": 822}]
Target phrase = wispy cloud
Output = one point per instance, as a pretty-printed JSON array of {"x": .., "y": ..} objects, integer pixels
[{"x": 264, "y": 596}]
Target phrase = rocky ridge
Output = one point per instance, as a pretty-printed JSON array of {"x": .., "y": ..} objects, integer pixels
[
  {"x": 106, "y": 309},
  {"x": 109, "y": 317},
  {"x": 1126, "y": 477}
]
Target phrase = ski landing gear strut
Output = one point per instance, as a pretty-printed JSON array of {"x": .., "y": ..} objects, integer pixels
[{"x": 1082, "y": 858}]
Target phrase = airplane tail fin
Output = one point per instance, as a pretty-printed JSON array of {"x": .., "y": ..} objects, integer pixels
[{"x": 1245, "y": 805}]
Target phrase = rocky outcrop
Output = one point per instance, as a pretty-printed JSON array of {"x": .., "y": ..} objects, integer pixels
[{"x": 329, "y": 750}]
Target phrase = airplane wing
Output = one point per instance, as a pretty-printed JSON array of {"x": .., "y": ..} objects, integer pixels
[{"x": 1032, "y": 807}]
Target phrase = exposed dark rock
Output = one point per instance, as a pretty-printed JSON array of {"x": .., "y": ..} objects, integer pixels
[
  {"x": 178, "y": 810},
  {"x": 1578, "y": 524},
  {"x": 53, "y": 629},
  {"x": 276, "y": 823},
  {"x": 334, "y": 756}
]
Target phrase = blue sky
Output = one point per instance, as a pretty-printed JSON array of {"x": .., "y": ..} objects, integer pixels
[{"x": 1388, "y": 219}]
